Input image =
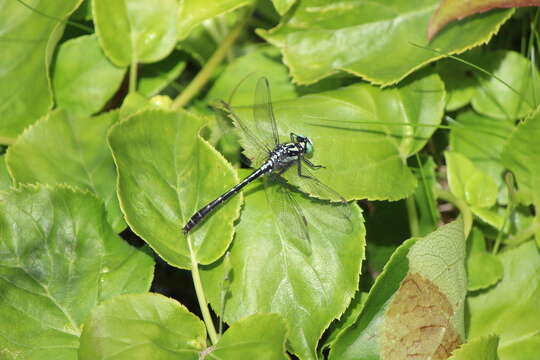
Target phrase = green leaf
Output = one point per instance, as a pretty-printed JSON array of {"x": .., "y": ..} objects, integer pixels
[
  {"x": 459, "y": 82},
  {"x": 481, "y": 139},
  {"x": 482, "y": 348},
  {"x": 522, "y": 157},
  {"x": 84, "y": 80},
  {"x": 167, "y": 172},
  {"x": 139, "y": 31},
  {"x": 27, "y": 41},
  {"x": 239, "y": 78},
  {"x": 145, "y": 326},
  {"x": 5, "y": 178},
  {"x": 193, "y": 13},
  {"x": 484, "y": 269},
  {"x": 155, "y": 77},
  {"x": 282, "y": 6},
  {"x": 512, "y": 91},
  {"x": 260, "y": 336},
  {"x": 60, "y": 258},
  {"x": 271, "y": 274},
  {"x": 373, "y": 40},
  {"x": 422, "y": 287},
  {"x": 454, "y": 10},
  {"x": 372, "y": 132},
  {"x": 468, "y": 183},
  {"x": 510, "y": 309},
  {"x": 70, "y": 149},
  {"x": 425, "y": 198}
]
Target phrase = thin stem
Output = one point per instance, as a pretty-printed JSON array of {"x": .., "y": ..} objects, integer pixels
[
  {"x": 204, "y": 75},
  {"x": 523, "y": 235},
  {"x": 203, "y": 304},
  {"x": 414, "y": 226},
  {"x": 133, "y": 76},
  {"x": 461, "y": 205}
]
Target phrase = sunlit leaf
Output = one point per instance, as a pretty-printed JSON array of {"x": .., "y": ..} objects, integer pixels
[
  {"x": 484, "y": 269},
  {"x": 459, "y": 81},
  {"x": 63, "y": 148},
  {"x": 271, "y": 274},
  {"x": 193, "y": 13},
  {"x": 482, "y": 348},
  {"x": 374, "y": 40},
  {"x": 28, "y": 37},
  {"x": 513, "y": 90},
  {"x": 452, "y": 10},
  {"x": 155, "y": 77},
  {"x": 510, "y": 309},
  {"x": 469, "y": 183},
  {"x": 5, "y": 179},
  {"x": 282, "y": 6},
  {"x": 424, "y": 284},
  {"x": 139, "y": 31},
  {"x": 59, "y": 259},
  {"x": 260, "y": 336},
  {"x": 522, "y": 157},
  {"x": 83, "y": 79},
  {"x": 362, "y": 134},
  {"x": 167, "y": 172},
  {"x": 146, "y": 326},
  {"x": 481, "y": 139}
]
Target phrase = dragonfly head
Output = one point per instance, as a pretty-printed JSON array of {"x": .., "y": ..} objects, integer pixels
[{"x": 307, "y": 144}]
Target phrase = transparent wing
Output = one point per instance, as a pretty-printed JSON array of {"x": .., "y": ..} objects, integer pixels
[
  {"x": 263, "y": 114},
  {"x": 338, "y": 212},
  {"x": 255, "y": 146},
  {"x": 292, "y": 222}
]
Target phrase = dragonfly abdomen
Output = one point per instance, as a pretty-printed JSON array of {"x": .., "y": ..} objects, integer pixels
[{"x": 204, "y": 211}]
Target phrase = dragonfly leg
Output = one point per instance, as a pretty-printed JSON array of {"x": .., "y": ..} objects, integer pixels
[
  {"x": 299, "y": 167},
  {"x": 312, "y": 165}
]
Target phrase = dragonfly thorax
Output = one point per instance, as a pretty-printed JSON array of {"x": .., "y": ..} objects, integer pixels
[{"x": 284, "y": 155}]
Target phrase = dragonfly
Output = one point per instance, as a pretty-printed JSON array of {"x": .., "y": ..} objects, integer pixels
[{"x": 271, "y": 159}]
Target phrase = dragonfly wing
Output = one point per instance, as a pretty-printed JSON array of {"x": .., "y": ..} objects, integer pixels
[
  {"x": 263, "y": 113},
  {"x": 291, "y": 220},
  {"x": 259, "y": 149},
  {"x": 338, "y": 212}
]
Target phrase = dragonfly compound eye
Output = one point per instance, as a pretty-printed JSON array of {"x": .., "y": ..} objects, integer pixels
[{"x": 309, "y": 146}]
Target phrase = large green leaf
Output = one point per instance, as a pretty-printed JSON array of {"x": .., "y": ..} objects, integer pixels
[
  {"x": 362, "y": 134},
  {"x": 194, "y": 12},
  {"x": 29, "y": 35},
  {"x": 133, "y": 31},
  {"x": 83, "y": 79},
  {"x": 481, "y": 139},
  {"x": 484, "y": 269},
  {"x": 59, "y": 259},
  {"x": 145, "y": 326},
  {"x": 510, "y": 309},
  {"x": 151, "y": 326},
  {"x": 512, "y": 91},
  {"x": 482, "y": 348},
  {"x": 416, "y": 306},
  {"x": 155, "y": 77},
  {"x": 468, "y": 182},
  {"x": 239, "y": 78},
  {"x": 167, "y": 171},
  {"x": 373, "y": 40},
  {"x": 69, "y": 149},
  {"x": 260, "y": 336},
  {"x": 270, "y": 273},
  {"x": 454, "y": 10},
  {"x": 522, "y": 157}
]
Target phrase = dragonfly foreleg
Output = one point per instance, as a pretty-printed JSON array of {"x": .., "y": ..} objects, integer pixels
[{"x": 312, "y": 165}]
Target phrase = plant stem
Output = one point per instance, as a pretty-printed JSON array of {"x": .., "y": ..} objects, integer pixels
[
  {"x": 462, "y": 206},
  {"x": 133, "y": 76},
  {"x": 414, "y": 227},
  {"x": 204, "y": 75},
  {"x": 203, "y": 304}
]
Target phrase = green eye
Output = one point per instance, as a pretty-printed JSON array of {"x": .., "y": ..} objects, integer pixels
[{"x": 309, "y": 147}]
